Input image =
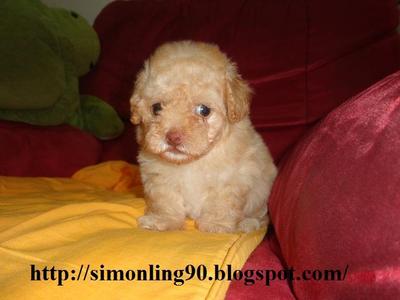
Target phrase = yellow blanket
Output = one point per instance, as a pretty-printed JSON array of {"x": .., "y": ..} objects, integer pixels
[{"x": 84, "y": 226}]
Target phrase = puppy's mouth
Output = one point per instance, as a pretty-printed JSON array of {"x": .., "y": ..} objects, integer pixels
[
  {"x": 175, "y": 150},
  {"x": 177, "y": 155}
]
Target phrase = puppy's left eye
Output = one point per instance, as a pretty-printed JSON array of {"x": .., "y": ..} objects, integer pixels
[
  {"x": 156, "y": 108},
  {"x": 202, "y": 110}
]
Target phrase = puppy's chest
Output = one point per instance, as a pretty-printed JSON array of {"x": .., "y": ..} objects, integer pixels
[{"x": 195, "y": 185}]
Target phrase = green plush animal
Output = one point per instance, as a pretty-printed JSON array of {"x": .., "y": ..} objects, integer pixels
[{"x": 43, "y": 51}]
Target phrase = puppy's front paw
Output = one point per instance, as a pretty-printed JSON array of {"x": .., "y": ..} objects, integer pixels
[
  {"x": 215, "y": 227},
  {"x": 249, "y": 225},
  {"x": 160, "y": 223}
]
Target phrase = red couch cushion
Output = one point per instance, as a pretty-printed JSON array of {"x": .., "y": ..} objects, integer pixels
[
  {"x": 266, "y": 31},
  {"x": 336, "y": 201},
  {"x": 122, "y": 148},
  {"x": 300, "y": 59},
  {"x": 265, "y": 258},
  {"x": 27, "y": 150}
]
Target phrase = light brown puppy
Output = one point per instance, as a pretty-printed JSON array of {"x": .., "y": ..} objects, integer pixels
[{"x": 200, "y": 156}]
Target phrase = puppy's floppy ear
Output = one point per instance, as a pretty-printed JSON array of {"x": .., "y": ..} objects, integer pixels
[
  {"x": 237, "y": 94},
  {"x": 136, "y": 96},
  {"x": 135, "y": 117}
]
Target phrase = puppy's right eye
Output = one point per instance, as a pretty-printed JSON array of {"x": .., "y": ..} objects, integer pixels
[
  {"x": 156, "y": 107},
  {"x": 202, "y": 110}
]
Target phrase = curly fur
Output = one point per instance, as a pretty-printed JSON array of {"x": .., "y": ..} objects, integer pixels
[{"x": 220, "y": 173}]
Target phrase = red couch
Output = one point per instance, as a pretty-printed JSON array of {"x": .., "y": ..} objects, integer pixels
[{"x": 303, "y": 59}]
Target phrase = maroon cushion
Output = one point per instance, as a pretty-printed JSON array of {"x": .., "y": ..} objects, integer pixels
[
  {"x": 122, "y": 148},
  {"x": 346, "y": 41},
  {"x": 27, "y": 150},
  {"x": 336, "y": 201},
  {"x": 301, "y": 61},
  {"x": 265, "y": 258}
]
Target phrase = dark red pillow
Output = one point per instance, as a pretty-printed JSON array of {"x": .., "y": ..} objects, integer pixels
[
  {"x": 27, "y": 150},
  {"x": 264, "y": 258},
  {"x": 299, "y": 59},
  {"x": 336, "y": 201}
]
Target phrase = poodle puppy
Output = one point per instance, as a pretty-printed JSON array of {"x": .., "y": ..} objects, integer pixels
[{"x": 200, "y": 156}]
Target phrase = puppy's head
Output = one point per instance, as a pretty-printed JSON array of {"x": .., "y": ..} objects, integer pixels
[{"x": 185, "y": 99}]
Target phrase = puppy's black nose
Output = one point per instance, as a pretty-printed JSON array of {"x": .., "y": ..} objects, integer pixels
[{"x": 174, "y": 137}]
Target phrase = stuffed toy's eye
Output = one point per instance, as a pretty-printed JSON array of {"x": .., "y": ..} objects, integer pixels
[
  {"x": 202, "y": 110},
  {"x": 156, "y": 107},
  {"x": 74, "y": 14}
]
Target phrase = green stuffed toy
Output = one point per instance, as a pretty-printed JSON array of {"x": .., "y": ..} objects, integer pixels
[{"x": 43, "y": 52}]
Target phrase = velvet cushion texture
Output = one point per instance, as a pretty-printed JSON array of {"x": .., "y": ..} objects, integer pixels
[
  {"x": 299, "y": 59},
  {"x": 27, "y": 150},
  {"x": 336, "y": 201},
  {"x": 265, "y": 257}
]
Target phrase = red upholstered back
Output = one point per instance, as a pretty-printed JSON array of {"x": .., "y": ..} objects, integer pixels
[
  {"x": 59, "y": 151},
  {"x": 336, "y": 201},
  {"x": 302, "y": 58}
]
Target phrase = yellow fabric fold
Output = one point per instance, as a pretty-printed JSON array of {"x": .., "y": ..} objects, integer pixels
[{"x": 90, "y": 219}]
